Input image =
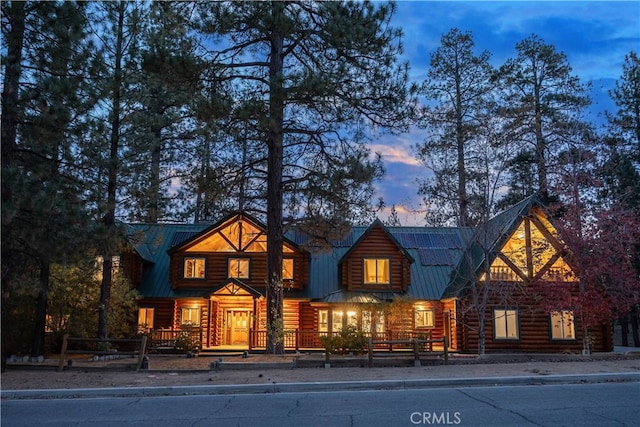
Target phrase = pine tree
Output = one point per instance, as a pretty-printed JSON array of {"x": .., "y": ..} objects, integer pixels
[
  {"x": 43, "y": 210},
  {"x": 460, "y": 83},
  {"x": 626, "y": 95},
  {"x": 542, "y": 104},
  {"x": 169, "y": 84},
  {"x": 310, "y": 77},
  {"x": 117, "y": 26}
]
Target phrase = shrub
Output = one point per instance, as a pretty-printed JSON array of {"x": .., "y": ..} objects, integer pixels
[
  {"x": 350, "y": 339},
  {"x": 188, "y": 339}
]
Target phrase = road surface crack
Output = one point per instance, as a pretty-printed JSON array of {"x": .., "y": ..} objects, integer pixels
[{"x": 499, "y": 408}]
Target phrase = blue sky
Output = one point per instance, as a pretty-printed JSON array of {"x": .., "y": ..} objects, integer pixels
[{"x": 594, "y": 35}]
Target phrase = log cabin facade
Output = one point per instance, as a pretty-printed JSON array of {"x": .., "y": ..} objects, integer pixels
[{"x": 391, "y": 282}]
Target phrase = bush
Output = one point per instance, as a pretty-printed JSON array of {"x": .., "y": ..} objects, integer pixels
[
  {"x": 188, "y": 339},
  {"x": 348, "y": 340}
]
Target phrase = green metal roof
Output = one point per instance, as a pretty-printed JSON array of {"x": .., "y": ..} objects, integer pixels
[{"x": 437, "y": 254}]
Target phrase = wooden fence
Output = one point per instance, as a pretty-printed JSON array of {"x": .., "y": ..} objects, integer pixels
[
  {"x": 137, "y": 347},
  {"x": 419, "y": 346}
]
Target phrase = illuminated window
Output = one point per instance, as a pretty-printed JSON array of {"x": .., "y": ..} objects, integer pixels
[
  {"x": 336, "y": 321},
  {"x": 505, "y": 324},
  {"x": 424, "y": 318},
  {"x": 194, "y": 268},
  {"x": 562, "y": 325},
  {"x": 323, "y": 321},
  {"x": 376, "y": 270},
  {"x": 239, "y": 268},
  {"x": 352, "y": 319},
  {"x": 145, "y": 319},
  {"x": 190, "y": 315},
  {"x": 56, "y": 323},
  {"x": 372, "y": 321},
  {"x": 287, "y": 269}
]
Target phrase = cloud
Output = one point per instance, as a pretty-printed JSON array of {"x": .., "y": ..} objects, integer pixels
[{"x": 594, "y": 35}]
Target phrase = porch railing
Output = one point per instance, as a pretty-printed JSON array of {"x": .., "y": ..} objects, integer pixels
[
  {"x": 300, "y": 339},
  {"x": 166, "y": 338}
]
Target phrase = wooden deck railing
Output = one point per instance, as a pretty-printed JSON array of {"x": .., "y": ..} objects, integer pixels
[
  {"x": 300, "y": 339},
  {"x": 166, "y": 338}
]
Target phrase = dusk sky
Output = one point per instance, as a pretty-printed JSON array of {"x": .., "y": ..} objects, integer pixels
[{"x": 594, "y": 35}]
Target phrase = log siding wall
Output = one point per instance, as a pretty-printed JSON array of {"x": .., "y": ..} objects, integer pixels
[{"x": 376, "y": 244}]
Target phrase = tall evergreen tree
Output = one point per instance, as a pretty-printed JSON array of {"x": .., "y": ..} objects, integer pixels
[
  {"x": 168, "y": 85},
  {"x": 460, "y": 84},
  {"x": 542, "y": 103},
  {"x": 626, "y": 95},
  {"x": 117, "y": 26},
  {"x": 43, "y": 211},
  {"x": 309, "y": 76}
]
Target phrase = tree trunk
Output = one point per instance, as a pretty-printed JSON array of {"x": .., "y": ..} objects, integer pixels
[
  {"x": 634, "y": 327},
  {"x": 275, "y": 238},
  {"x": 110, "y": 216},
  {"x": 15, "y": 12},
  {"x": 624, "y": 329},
  {"x": 462, "y": 172},
  {"x": 37, "y": 347},
  {"x": 154, "y": 190}
]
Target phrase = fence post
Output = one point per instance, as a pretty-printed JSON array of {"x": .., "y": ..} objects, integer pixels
[
  {"x": 143, "y": 346},
  {"x": 327, "y": 358},
  {"x": 63, "y": 350},
  {"x": 416, "y": 353},
  {"x": 370, "y": 353},
  {"x": 297, "y": 334},
  {"x": 251, "y": 338},
  {"x": 446, "y": 350}
]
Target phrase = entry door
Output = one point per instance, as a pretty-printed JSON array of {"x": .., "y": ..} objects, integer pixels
[{"x": 238, "y": 323}]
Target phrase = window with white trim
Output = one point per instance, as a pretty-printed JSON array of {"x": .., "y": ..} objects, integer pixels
[
  {"x": 424, "y": 318},
  {"x": 323, "y": 320},
  {"x": 336, "y": 320},
  {"x": 505, "y": 324},
  {"x": 562, "y": 325},
  {"x": 190, "y": 315},
  {"x": 372, "y": 321}
]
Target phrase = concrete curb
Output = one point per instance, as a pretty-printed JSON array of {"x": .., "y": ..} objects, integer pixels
[{"x": 316, "y": 386}]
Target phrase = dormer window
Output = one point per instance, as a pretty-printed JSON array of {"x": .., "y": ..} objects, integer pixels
[
  {"x": 194, "y": 268},
  {"x": 238, "y": 268},
  {"x": 376, "y": 271}
]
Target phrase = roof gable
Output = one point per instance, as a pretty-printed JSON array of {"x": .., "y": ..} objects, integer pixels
[
  {"x": 235, "y": 233},
  {"x": 377, "y": 225}
]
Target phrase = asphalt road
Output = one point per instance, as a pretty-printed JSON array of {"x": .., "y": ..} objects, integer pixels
[{"x": 600, "y": 404}]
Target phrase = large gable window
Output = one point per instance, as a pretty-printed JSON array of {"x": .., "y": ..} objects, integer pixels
[
  {"x": 505, "y": 324},
  {"x": 376, "y": 271},
  {"x": 562, "y": 325},
  {"x": 194, "y": 268},
  {"x": 239, "y": 268}
]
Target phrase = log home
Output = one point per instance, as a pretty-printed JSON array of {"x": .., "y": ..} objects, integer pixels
[{"x": 391, "y": 282}]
